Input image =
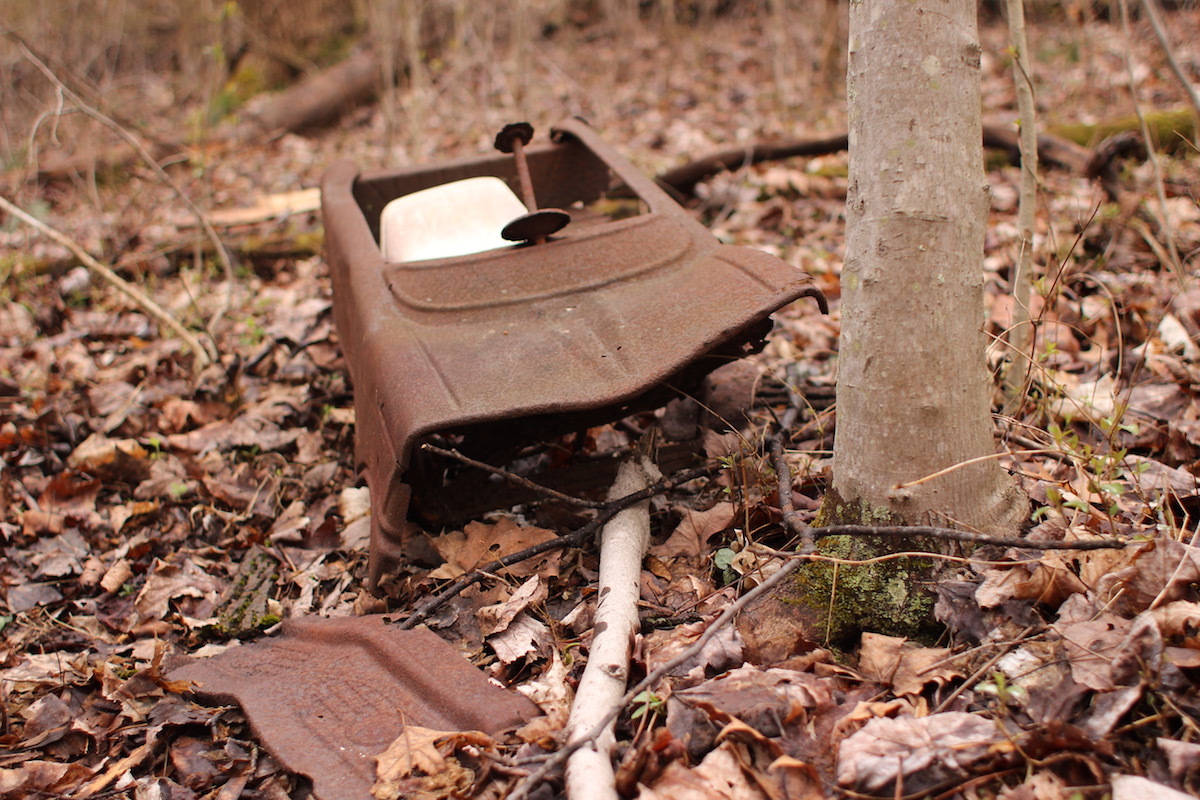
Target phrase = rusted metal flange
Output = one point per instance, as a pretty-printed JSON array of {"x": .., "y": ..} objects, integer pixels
[
  {"x": 328, "y": 695},
  {"x": 536, "y": 225}
]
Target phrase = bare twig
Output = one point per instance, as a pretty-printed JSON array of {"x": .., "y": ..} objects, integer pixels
[
  {"x": 786, "y": 503},
  {"x": 987, "y": 666},
  {"x": 203, "y": 358},
  {"x": 152, "y": 162}
]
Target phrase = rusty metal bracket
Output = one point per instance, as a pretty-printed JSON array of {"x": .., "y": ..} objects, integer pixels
[{"x": 517, "y": 344}]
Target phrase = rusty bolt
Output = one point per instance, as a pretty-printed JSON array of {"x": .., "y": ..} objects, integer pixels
[
  {"x": 514, "y": 135},
  {"x": 537, "y": 224}
]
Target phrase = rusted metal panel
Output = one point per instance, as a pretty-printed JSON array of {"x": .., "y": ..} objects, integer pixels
[
  {"x": 506, "y": 346},
  {"x": 328, "y": 695}
]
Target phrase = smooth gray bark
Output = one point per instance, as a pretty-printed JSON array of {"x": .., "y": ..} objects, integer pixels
[{"x": 913, "y": 391}]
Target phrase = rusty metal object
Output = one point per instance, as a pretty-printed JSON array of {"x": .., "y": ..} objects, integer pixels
[
  {"x": 328, "y": 695},
  {"x": 538, "y": 223},
  {"x": 519, "y": 344}
]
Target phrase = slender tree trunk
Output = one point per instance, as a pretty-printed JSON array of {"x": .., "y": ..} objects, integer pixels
[
  {"x": 1020, "y": 333},
  {"x": 913, "y": 394}
]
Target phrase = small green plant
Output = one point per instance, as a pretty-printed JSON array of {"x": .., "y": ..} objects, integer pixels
[
  {"x": 1007, "y": 693},
  {"x": 723, "y": 560},
  {"x": 648, "y": 703}
]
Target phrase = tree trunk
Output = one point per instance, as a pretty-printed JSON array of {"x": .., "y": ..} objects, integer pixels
[{"x": 913, "y": 393}]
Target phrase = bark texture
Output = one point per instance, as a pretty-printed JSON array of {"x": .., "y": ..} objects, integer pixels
[{"x": 913, "y": 392}]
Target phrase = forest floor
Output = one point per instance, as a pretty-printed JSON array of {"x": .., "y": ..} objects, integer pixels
[{"x": 133, "y": 484}]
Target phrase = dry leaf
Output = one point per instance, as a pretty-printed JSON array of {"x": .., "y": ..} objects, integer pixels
[
  {"x": 717, "y": 777},
  {"x": 906, "y": 667},
  {"x": 924, "y": 752},
  {"x": 690, "y": 539},
  {"x": 495, "y": 618}
]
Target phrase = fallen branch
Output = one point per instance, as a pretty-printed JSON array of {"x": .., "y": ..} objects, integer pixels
[
  {"x": 203, "y": 358},
  {"x": 1053, "y": 150},
  {"x": 574, "y": 539},
  {"x": 623, "y": 543},
  {"x": 316, "y": 100}
]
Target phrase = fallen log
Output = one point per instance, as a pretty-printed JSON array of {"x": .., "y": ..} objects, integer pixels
[
  {"x": 1052, "y": 151},
  {"x": 315, "y": 101}
]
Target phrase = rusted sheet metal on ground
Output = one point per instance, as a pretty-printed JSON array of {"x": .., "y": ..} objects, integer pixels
[
  {"x": 328, "y": 695},
  {"x": 517, "y": 344}
]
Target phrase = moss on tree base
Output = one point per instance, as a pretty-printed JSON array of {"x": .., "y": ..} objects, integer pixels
[{"x": 893, "y": 596}]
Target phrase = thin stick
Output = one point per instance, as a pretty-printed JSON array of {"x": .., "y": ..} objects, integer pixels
[
  {"x": 991, "y": 662},
  {"x": 786, "y": 504},
  {"x": 150, "y": 161},
  {"x": 135, "y": 294},
  {"x": 1168, "y": 229},
  {"x": 969, "y": 462}
]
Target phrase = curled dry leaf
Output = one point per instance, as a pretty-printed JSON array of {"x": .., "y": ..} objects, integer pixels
[
  {"x": 495, "y": 618},
  {"x": 906, "y": 667},
  {"x": 1090, "y": 645},
  {"x": 523, "y": 637},
  {"x": 422, "y": 749},
  {"x": 168, "y": 582},
  {"x": 111, "y": 460},
  {"x": 689, "y": 541},
  {"x": 552, "y": 693},
  {"x": 718, "y": 777},
  {"x": 481, "y": 543}
]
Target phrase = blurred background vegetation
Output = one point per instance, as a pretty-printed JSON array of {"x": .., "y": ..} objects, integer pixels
[
  {"x": 177, "y": 71},
  {"x": 148, "y": 57}
]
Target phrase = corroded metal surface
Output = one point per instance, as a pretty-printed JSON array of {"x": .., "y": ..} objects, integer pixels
[
  {"x": 517, "y": 344},
  {"x": 328, "y": 695}
]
